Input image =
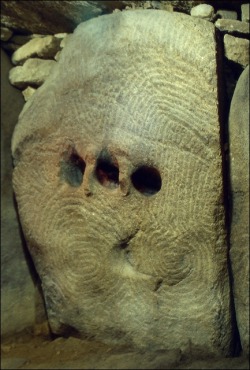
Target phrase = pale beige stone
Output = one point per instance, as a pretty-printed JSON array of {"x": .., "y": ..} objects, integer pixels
[
  {"x": 119, "y": 186},
  {"x": 28, "y": 92},
  {"x": 65, "y": 40},
  {"x": 33, "y": 72},
  {"x": 45, "y": 47},
  {"x": 237, "y": 50},
  {"x": 239, "y": 165},
  {"x": 57, "y": 56},
  {"x": 61, "y": 35},
  {"x": 232, "y": 26},
  {"x": 245, "y": 12},
  {"x": 226, "y": 14},
  {"x": 204, "y": 11}
]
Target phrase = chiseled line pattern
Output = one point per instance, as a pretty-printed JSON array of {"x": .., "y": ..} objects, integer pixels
[{"x": 171, "y": 260}]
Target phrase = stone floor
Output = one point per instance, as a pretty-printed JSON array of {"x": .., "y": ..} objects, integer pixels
[{"x": 27, "y": 351}]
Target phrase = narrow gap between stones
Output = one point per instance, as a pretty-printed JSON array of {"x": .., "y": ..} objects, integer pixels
[{"x": 224, "y": 101}]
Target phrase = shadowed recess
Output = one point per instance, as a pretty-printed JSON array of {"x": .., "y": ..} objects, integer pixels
[
  {"x": 107, "y": 171},
  {"x": 147, "y": 180},
  {"x": 72, "y": 169}
]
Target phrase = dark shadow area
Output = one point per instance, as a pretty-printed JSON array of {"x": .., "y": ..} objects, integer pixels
[
  {"x": 224, "y": 99},
  {"x": 147, "y": 180},
  {"x": 107, "y": 170}
]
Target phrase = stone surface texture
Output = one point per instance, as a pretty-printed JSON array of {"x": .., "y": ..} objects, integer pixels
[
  {"x": 122, "y": 204},
  {"x": 237, "y": 49},
  {"x": 226, "y": 14},
  {"x": 204, "y": 11},
  {"x": 239, "y": 159},
  {"x": 39, "y": 16},
  {"x": 232, "y": 26},
  {"x": 17, "y": 288},
  {"x": 245, "y": 12},
  {"x": 45, "y": 47},
  {"x": 72, "y": 353},
  {"x": 33, "y": 72},
  {"x": 28, "y": 92},
  {"x": 46, "y": 16}
]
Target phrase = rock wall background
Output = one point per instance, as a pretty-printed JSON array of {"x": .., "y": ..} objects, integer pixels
[
  {"x": 17, "y": 287},
  {"x": 32, "y": 35}
]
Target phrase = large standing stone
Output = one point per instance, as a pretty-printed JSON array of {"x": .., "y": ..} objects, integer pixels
[
  {"x": 119, "y": 186},
  {"x": 239, "y": 159}
]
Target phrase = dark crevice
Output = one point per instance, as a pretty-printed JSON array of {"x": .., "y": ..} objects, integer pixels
[
  {"x": 146, "y": 180},
  {"x": 72, "y": 168},
  {"x": 66, "y": 331},
  {"x": 158, "y": 284},
  {"x": 224, "y": 100},
  {"x": 238, "y": 34},
  {"x": 107, "y": 170},
  {"x": 124, "y": 243}
]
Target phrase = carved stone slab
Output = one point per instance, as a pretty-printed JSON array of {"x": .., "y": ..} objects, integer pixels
[
  {"x": 119, "y": 187},
  {"x": 239, "y": 163}
]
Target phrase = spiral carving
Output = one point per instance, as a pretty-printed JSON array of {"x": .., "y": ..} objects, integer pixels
[{"x": 118, "y": 183}]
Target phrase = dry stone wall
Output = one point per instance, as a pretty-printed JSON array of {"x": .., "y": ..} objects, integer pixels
[{"x": 34, "y": 56}]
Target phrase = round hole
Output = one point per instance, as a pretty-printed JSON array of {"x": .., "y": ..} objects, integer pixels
[
  {"x": 107, "y": 171},
  {"x": 72, "y": 169},
  {"x": 147, "y": 180}
]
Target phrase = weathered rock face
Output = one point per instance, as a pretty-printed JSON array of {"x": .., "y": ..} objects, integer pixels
[
  {"x": 17, "y": 288},
  {"x": 48, "y": 17},
  {"x": 239, "y": 155},
  {"x": 119, "y": 189},
  {"x": 34, "y": 72},
  {"x": 42, "y": 47},
  {"x": 237, "y": 49}
]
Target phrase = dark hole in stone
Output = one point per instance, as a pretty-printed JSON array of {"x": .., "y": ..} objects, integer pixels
[
  {"x": 124, "y": 244},
  {"x": 107, "y": 172},
  {"x": 72, "y": 169},
  {"x": 147, "y": 180}
]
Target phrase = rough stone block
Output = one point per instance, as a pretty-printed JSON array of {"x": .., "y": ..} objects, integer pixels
[
  {"x": 226, "y": 14},
  {"x": 245, "y": 12},
  {"x": 28, "y": 92},
  {"x": 204, "y": 11},
  {"x": 119, "y": 187},
  {"x": 45, "y": 47},
  {"x": 232, "y": 26},
  {"x": 239, "y": 163},
  {"x": 237, "y": 50},
  {"x": 34, "y": 72}
]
